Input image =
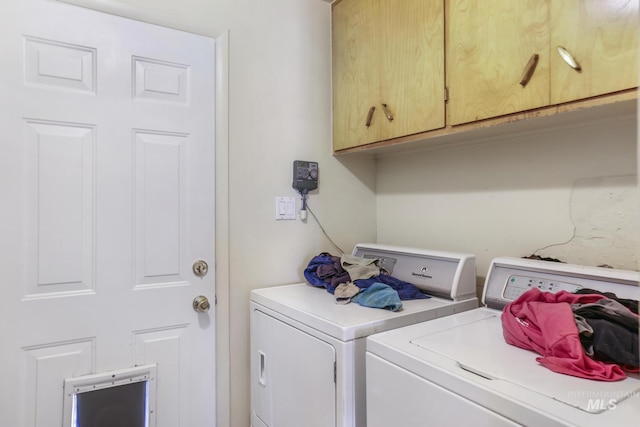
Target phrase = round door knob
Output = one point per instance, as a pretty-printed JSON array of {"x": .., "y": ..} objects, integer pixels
[{"x": 201, "y": 304}]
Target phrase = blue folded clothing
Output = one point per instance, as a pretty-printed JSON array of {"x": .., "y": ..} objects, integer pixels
[
  {"x": 379, "y": 295},
  {"x": 406, "y": 290}
]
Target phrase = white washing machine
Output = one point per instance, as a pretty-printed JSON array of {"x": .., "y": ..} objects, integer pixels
[
  {"x": 459, "y": 370},
  {"x": 308, "y": 353}
]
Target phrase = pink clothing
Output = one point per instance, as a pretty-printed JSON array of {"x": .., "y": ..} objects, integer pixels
[{"x": 544, "y": 322}]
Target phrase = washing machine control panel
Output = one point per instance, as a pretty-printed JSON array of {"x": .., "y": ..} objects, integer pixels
[{"x": 517, "y": 285}]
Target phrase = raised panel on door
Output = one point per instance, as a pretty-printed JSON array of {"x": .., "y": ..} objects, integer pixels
[
  {"x": 411, "y": 67},
  {"x": 106, "y": 167},
  {"x": 60, "y": 175},
  {"x": 292, "y": 375},
  {"x": 355, "y": 52},
  {"x": 602, "y": 36},
  {"x": 489, "y": 45}
]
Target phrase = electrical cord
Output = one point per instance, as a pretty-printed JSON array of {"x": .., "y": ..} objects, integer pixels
[
  {"x": 305, "y": 204},
  {"x": 323, "y": 230}
]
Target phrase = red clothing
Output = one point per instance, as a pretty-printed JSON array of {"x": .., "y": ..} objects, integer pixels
[{"x": 544, "y": 322}]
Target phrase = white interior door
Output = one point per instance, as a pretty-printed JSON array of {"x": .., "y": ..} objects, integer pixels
[{"x": 106, "y": 185}]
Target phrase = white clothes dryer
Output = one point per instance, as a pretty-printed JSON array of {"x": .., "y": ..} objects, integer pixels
[
  {"x": 459, "y": 370},
  {"x": 308, "y": 353}
]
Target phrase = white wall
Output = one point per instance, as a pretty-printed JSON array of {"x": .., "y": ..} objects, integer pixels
[
  {"x": 279, "y": 110},
  {"x": 568, "y": 193}
]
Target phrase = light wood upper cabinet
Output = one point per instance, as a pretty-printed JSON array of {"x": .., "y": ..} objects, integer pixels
[
  {"x": 491, "y": 41},
  {"x": 502, "y": 65},
  {"x": 602, "y": 36},
  {"x": 388, "y": 59},
  {"x": 355, "y": 74},
  {"x": 412, "y": 68},
  {"x": 490, "y": 44}
]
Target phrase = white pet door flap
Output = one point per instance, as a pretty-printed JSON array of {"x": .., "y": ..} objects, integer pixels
[{"x": 123, "y": 398}]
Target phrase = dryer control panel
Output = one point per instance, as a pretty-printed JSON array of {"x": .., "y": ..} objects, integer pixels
[{"x": 517, "y": 285}]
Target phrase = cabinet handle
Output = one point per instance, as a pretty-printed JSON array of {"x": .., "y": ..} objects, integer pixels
[
  {"x": 569, "y": 59},
  {"x": 370, "y": 116},
  {"x": 386, "y": 112},
  {"x": 529, "y": 69}
]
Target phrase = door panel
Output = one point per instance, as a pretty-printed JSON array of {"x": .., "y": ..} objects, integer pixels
[
  {"x": 389, "y": 53},
  {"x": 602, "y": 35},
  {"x": 106, "y": 174},
  {"x": 42, "y": 366},
  {"x": 160, "y": 218},
  {"x": 60, "y": 177},
  {"x": 489, "y": 45},
  {"x": 412, "y": 76},
  {"x": 356, "y": 76}
]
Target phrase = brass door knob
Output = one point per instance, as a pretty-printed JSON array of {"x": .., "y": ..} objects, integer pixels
[{"x": 201, "y": 304}]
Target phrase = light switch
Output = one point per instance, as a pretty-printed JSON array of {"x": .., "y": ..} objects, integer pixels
[{"x": 285, "y": 208}]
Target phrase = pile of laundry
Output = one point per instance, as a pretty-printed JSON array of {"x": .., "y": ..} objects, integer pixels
[
  {"x": 586, "y": 334},
  {"x": 357, "y": 279}
]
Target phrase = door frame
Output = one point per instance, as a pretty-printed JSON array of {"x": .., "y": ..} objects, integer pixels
[{"x": 222, "y": 271}]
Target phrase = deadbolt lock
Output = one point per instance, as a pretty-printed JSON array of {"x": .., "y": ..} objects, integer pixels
[{"x": 200, "y": 268}]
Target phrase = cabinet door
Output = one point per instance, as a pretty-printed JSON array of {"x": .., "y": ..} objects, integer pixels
[
  {"x": 355, "y": 73},
  {"x": 386, "y": 56},
  {"x": 412, "y": 67},
  {"x": 602, "y": 35},
  {"x": 490, "y": 42}
]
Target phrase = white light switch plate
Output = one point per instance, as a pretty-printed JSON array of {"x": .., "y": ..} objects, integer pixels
[{"x": 285, "y": 207}]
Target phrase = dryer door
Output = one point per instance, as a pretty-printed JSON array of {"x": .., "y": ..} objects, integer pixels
[{"x": 292, "y": 376}]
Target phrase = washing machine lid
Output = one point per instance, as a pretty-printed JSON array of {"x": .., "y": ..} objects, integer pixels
[
  {"x": 479, "y": 347},
  {"x": 473, "y": 341},
  {"x": 450, "y": 275}
]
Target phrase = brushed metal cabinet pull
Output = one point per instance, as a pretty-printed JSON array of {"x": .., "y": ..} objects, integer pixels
[
  {"x": 529, "y": 69},
  {"x": 386, "y": 112},
  {"x": 568, "y": 58},
  {"x": 370, "y": 116}
]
